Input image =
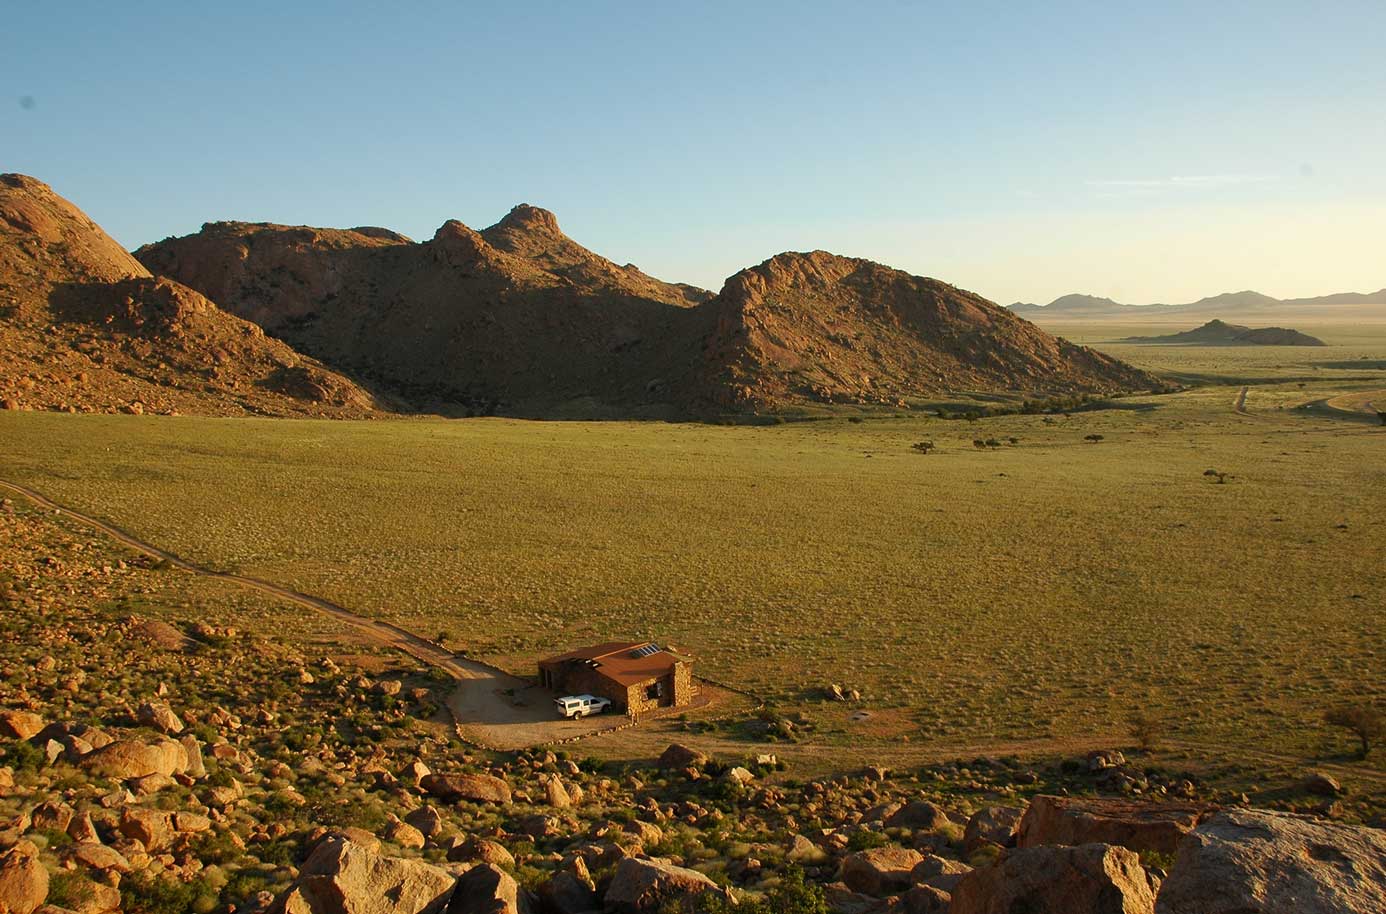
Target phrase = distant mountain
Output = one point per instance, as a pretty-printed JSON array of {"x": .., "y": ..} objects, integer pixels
[
  {"x": 519, "y": 319},
  {"x": 1076, "y": 305},
  {"x": 1219, "y": 333},
  {"x": 85, "y": 327}
]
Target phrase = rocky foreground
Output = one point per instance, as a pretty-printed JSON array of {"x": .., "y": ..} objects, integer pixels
[{"x": 159, "y": 753}]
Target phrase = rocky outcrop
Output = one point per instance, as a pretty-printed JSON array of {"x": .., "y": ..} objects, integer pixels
[
  {"x": 919, "y": 815},
  {"x": 19, "y": 724},
  {"x": 819, "y": 327},
  {"x": 1091, "y": 878},
  {"x": 344, "y": 878},
  {"x": 478, "y": 788},
  {"x": 1128, "y": 823},
  {"x": 130, "y": 758},
  {"x": 86, "y": 327},
  {"x": 1245, "y": 860},
  {"x": 645, "y": 886},
  {"x": 519, "y": 319}
]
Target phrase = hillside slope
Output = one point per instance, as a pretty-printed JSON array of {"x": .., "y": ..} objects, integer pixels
[
  {"x": 521, "y": 320},
  {"x": 85, "y": 327},
  {"x": 817, "y": 327},
  {"x": 516, "y": 318}
]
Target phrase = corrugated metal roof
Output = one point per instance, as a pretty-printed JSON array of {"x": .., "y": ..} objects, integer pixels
[{"x": 616, "y": 661}]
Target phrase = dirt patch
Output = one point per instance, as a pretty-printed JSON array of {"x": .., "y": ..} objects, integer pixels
[{"x": 502, "y": 711}]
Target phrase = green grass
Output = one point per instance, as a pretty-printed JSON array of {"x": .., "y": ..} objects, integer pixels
[{"x": 1044, "y": 589}]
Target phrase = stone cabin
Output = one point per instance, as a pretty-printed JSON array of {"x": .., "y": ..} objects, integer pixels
[{"x": 638, "y": 676}]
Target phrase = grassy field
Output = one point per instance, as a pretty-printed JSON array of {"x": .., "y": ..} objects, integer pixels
[{"x": 1042, "y": 589}]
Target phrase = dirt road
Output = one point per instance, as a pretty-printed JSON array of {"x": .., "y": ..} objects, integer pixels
[{"x": 478, "y": 705}]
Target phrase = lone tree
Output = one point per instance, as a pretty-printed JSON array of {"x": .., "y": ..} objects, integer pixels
[
  {"x": 1218, "y": 474},
  {"x": 1382, "y": 417},
  {"x": 1363, "y": 721},
  {"x": 1093, "y": 438}
]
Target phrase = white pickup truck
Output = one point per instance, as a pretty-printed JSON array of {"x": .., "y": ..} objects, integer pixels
[{"x": 572, "y": 706}]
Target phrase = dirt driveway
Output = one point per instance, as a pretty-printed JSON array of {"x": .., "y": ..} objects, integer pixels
[{"x": 502, "y": 711}]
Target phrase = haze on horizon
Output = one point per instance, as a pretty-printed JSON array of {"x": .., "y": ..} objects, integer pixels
[{"x": 1145, "y": 155}]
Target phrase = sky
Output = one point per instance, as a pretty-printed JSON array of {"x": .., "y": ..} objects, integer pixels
[{"x": 1151, "y": 152}]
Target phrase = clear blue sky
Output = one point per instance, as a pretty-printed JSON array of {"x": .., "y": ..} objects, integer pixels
[{"x": 1152, "y": 151}]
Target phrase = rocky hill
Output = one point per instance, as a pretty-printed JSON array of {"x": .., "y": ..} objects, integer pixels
[
  {"x": 85, "y": 327},
  {"x": 817, "y": 327},
  {"x": 1220, "y": 333},
  {"x": 1091, "y": 306},
  {"x": 520, "y": 319},
  {"x": 516, "y": 318}
]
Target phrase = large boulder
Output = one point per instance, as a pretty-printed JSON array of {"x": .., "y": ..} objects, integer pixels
[
  {"x": 677, "y": 758},
  {"x": 340, "y": 877},
  {"x": 1127, "y": 823},
  {"x": 1245, "y": 860},
  {"x": 23, "y": 879},
  {"x": 485, "y": 889},
  {"x": 921, "y": 815},
  {"x": 880, "y": 870},
  {"x": 992, "y": 825},
  {"x": 645, "y": 885},
  {"x": 479, "y": 788},
  {"x": 1089, "y": 878},
  {"x": 128, "y": 758},
  {"x": 19, "y": 724}
]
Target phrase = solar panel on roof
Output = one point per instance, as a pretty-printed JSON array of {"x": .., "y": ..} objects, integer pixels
[{"x": 645, "y": 651}]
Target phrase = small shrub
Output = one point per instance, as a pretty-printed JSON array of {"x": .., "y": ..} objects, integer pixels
[{"x": 1363, "y": 721}]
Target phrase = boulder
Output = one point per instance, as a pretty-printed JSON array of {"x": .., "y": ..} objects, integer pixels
[
  {"x": 485, "y": 889},
  {"x": 98, "y": 857},
  {"x": 426, "y": 819},
  {"x": 556, "y": 794},
  {"x": 880, "y": 871},
  {"x": 1325, "y": 785},
  {"x": 565, "y": 893},
  {"x": 992, "y": 825},
  {"x": 482, "y": 850},
  {"x": 479, "y": 788},
  {"x": 922, "y": 899},
  {"x": 403, "y": 834},
  {"x": 1127, "y": 823},
  {"x": 196, "y": 767},
  {"x": 158, "y": 716},
  {"x": 646, "y": 885},
  {"x": 677, "y": 758},
  {"x": 23, "y": 879},
  {"x": 921, "y": 815},
  {"x": 19, "y": 724},
  {"x": 1251, "y": 860},
  {"x": 804, "y": 852},
  {"x": 1091, "y": 878},
  {"x": 939, "y": 872},
  {"x": 152, "y": 828},
  {"x": 340, "y": 877},
  {"x": 128, "y": 758}
]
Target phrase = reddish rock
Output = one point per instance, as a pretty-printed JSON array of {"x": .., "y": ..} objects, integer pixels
[
  {"x": 1252, "y": 860},
  {"x": 992, "y": 825},
  {"x": 23, "y": 880},
  {"x": 340, "y": 877},
  {"x": 19, "y": 724},
  {"x": 1087, "y": 879},
  {"x": 1127, "y": 823},
  {"x": 880, "y": 870},
  {"x": 479, "y": 788},
  {"x": 646, "y": 886},
  {"x": 129, "y": 758},
  {"x": 485, "y": 889}
]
